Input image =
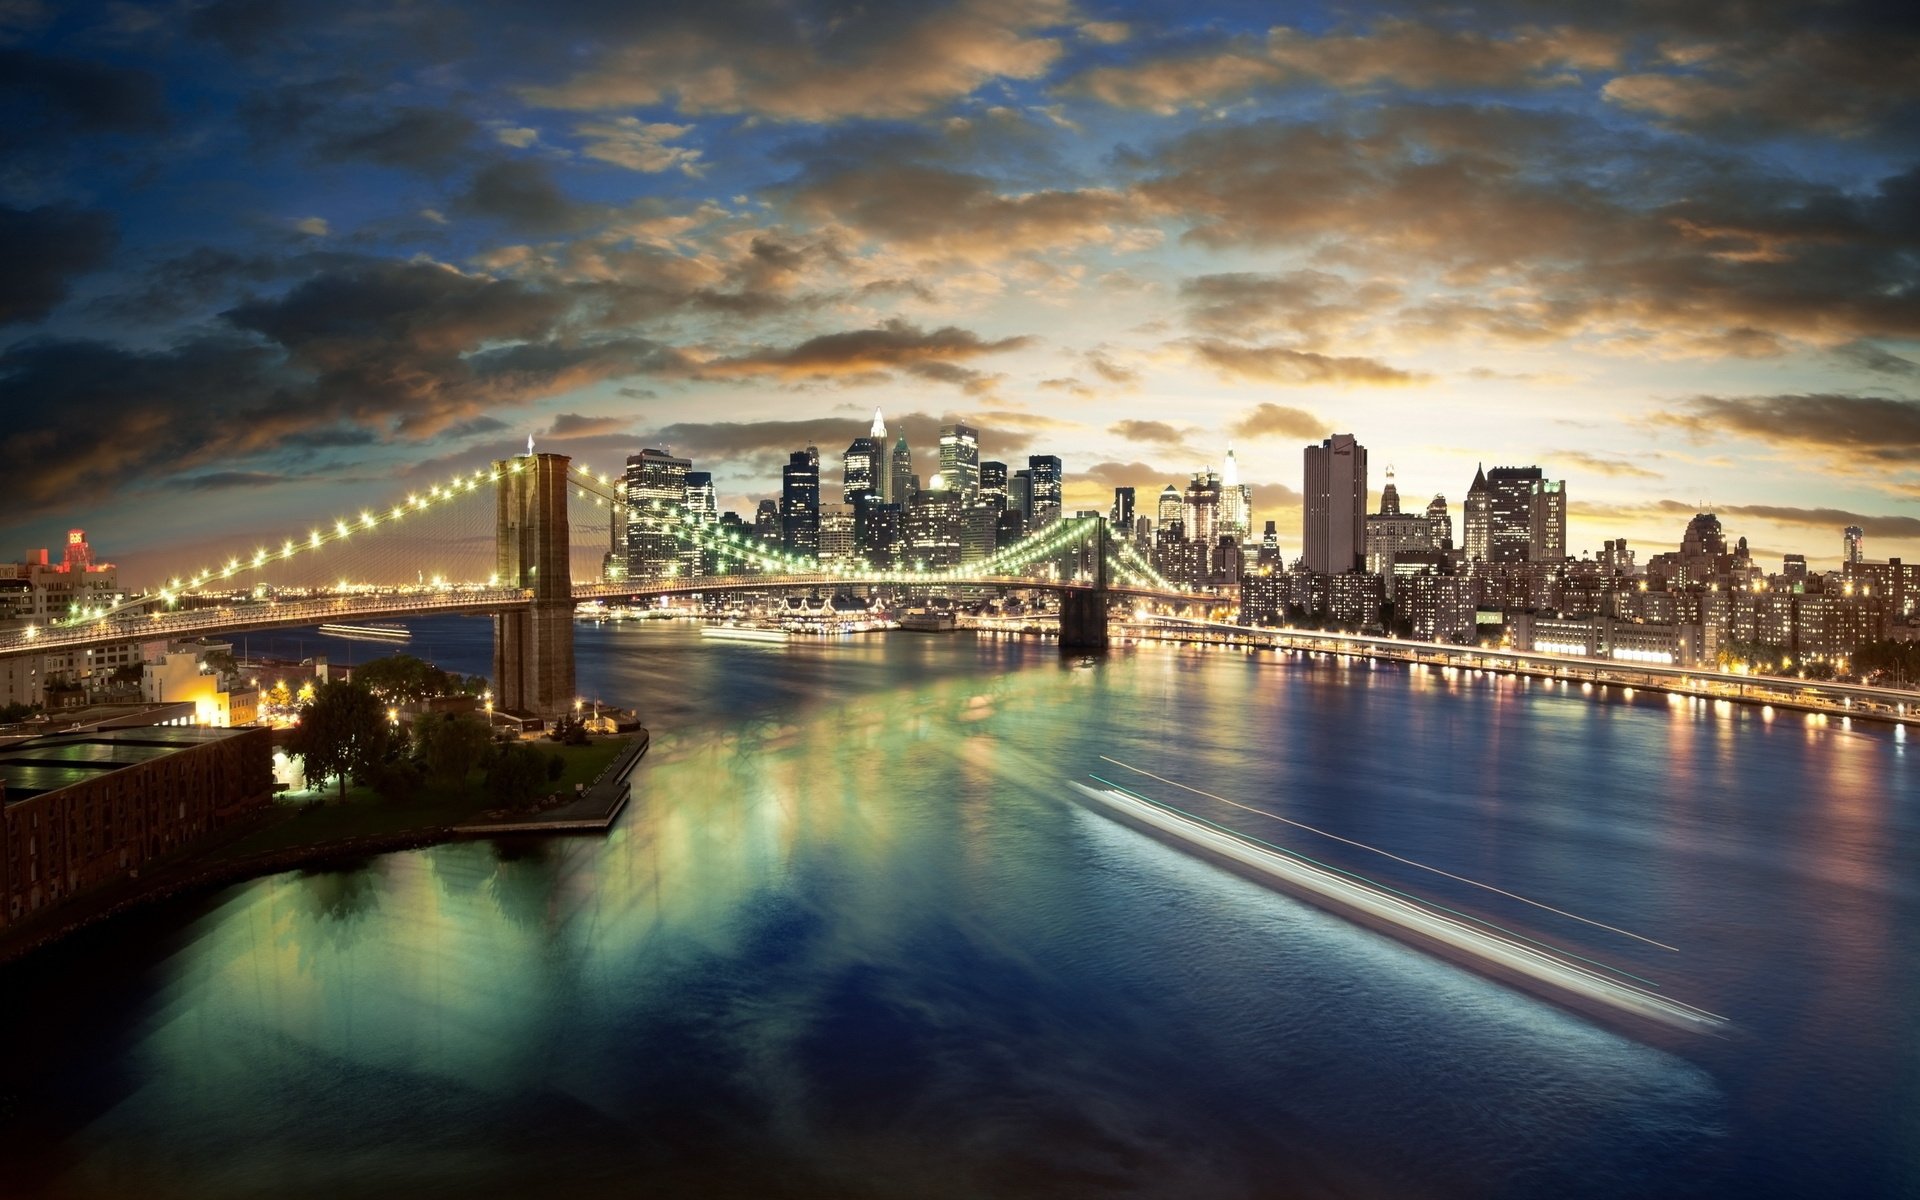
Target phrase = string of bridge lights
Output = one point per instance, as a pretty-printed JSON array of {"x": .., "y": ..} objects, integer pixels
[{"x": 728, "y": 544}]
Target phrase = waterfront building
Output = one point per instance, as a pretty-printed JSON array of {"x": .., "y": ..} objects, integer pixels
[
  {"x": 1264, "y": 595},
  {"x": 1853, "y": 546},
  {"x": 81, "y": 810},
  {"x": 960, "y": 459},
  {"x": 1049, "y": 479},
  {"x": 933, "y": 528},
  {"x": 1355, "y": 598},
  {"x": 800, "y": 504},
  {"x": 656, "y": 501},
  {"x": 1477, "y": 518},
  {"x": 1334, "y": 514},
  {"x": 1437, "y": 607}
]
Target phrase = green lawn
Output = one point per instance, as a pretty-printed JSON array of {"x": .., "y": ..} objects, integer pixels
[{"x": 365, "y": 814}]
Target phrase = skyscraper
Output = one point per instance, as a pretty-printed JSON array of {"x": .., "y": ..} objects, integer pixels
[
  {"x": 1853, "y": 547},
  {"x": 1046, "y": 475},
  {"x": 1442, "y": 523},
  {"x": 1236, "y": 501},
  {"x": 1547, "y": 521},
  {"x": 1203, "y": 504},
  {"x": 1477, "y": 519},
  {"x": 1170, "y": 507},
  {"x": 800, "y": 503},
  {"x": 1510, "y": 497},
  {"x": 702, "y": 509},
  {"x": 862, "y": 467},
  {"x": 960, "y": 459},
  {"x": 1121, "y": 518},
  {"x": 1392, "y": 533},
  {"x": 1335, "y": 513},
  {"x": 766, "y": 524},
  {"x": 657, "y": 502},
  {"x": 900, "y": 487},
  {"x": 993, "y": 484}
]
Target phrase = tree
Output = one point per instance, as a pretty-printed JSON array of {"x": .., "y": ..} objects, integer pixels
[
  {"x": 516, "y": 775},
  {"x": 342, "y": 731},
  {"x": 404, "y": 677},
  {"x": 452, "y": 744}
]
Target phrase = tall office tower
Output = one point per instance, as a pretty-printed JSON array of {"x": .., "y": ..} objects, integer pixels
[
  {"x": 1142, "y": 532},
  {"x": 960, "y": 459},
  {"x": 933, "y": 528},
  {"x": 702, "y": 510},
  {"x": 1616, "y": 558},
  {"x": 1236, "y": 501},
  {"x": 1270, "y": 546},
  {"x": 800, "y": 503},
  {"x": 1510, "y": 500},
  {"x": 1704, "y": 538},
  {"x": 1121, "y": 518},
  {"x": 979, "y": 530},
  {"x": 900, "y": 486},
  {"x": 1170, "y": 507},
  {"x": 1202, "y": 513},
  {"x": 1334, "y": 521},
  {"x": 861, "y": 472},
  {"x": 1477, "y": 520},
  {"x": 657, "y": 503},
  {"x": 1020, "y": 496},
  {"x": 836, "y": 535},
  {"x": 1547, "y": 521},
  {"x": 993, "y": 484},
  {"x": 879, "y": 534},
  {"x": 1853, "y": 545},
  {"x": 1047, "y": 480},
  {"x": 1009, "y": 527},
  {"x": 766, "y": 524},
  {"x": 1442, "y": 523}
]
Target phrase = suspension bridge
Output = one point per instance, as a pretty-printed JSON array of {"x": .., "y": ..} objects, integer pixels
[{"x": 523, "y": 545}]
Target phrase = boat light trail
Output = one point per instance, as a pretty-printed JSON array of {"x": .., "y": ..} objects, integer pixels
[{"x": 1395, "y": 857}]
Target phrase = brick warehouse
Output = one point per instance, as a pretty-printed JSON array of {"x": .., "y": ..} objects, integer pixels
[{"x": 81, "y": 810}]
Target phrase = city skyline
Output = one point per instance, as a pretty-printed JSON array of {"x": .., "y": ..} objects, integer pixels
[{"x": 253, "y": 280}]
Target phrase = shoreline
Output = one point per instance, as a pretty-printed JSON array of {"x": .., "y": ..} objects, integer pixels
[{"x": 196, "y": 874}]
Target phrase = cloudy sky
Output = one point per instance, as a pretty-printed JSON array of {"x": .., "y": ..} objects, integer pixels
[{"x": 265, "y": 259}]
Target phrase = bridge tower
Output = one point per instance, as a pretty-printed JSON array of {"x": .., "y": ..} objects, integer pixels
[
  {"x": 533, "y": 647},
  {"x": 1083, "y": 613}
]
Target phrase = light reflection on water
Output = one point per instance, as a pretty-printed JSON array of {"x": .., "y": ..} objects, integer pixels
[{"x": 852, "y": 940}]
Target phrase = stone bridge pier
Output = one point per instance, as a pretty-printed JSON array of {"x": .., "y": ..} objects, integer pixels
[
  {"x": 1083, "y": 612},
  {"x": 533, "y": 647}
]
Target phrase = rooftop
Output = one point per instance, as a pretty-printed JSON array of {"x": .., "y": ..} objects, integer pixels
[{"x": 39, "y": 765}]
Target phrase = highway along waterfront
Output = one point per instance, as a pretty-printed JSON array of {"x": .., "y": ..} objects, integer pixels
[{"x": 858, "y": 934}]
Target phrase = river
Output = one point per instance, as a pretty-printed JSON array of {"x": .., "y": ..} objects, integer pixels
[{"x": 852, "y": 938}]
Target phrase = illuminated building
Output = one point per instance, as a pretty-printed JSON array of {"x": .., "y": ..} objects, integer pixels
[
  {"x": 993, "y": 484},
  {"x": 1441, "y": 523},
  {"x": 766, "y": 523},
  {"x": 1121, "y": 516},
  {"x": 1048, "y": 478},
  {"x": 1547, "y": 521},
  {"x": 900, "y": 481},
  {"x": 1853, "y": 545},
  {"x": 837, "y": 535},
  {"x": 1391, "y": 533},
  {"x": 1170, "y": 507},
  {"x": 1236, "y": 501},
  {"x": 1510, "y": 507},
  {"x": 702, "y": 509},
  {"x": 657, "y": 496},
  {"x": 1020, "y": 496},
  {"x": 1202, "y": 512},
  {"x": 1477, "y": 520},
  {"x": 933, "y": 528},
  {"x": 960, "y": 459},
  {"x": 800, "y": 503},
  {"x": 1334, "y": 515},
  {"x": 862, "y": 467}
]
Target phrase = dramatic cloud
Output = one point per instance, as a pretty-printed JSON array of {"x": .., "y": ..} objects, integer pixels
[
  {"x": 1617, "y": 468},
  {"x": 895, "y": 345},
  {"x": 1810, "y": 80},
  {"x": 1277, "y": 420},
  {"x": 1877, "y": 427},
  {"x": 567, "y": 426},
  {"x": 521, "y": 194},
  {"x": 767, "y": 441},
  {"x": 638, "y": 145},
  {"x": 1281, "y": 364},
  {"x": 776, "y": 61},
  {"x": 43, "y": 249},
  {"x": 1148, "y": 431},
  {"x": 1310, "y": 304},
  {"x": 1399, "y": 53}
]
